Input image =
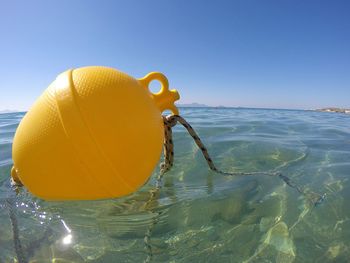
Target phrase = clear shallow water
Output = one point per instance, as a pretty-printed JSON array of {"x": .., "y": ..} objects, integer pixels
[{"x": 202, "y": 216}]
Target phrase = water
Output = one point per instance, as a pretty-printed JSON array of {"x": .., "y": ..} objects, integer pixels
[{"x": 202, "y": 216}]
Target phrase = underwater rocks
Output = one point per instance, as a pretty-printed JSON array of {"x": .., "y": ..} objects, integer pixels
[{"x": 276, "y": 243}]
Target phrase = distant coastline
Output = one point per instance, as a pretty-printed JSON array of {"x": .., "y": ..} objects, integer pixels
[
  {"x": 200, "y": 105},
  {"x": 8, "y": 111},
  {"x": 333, "y": 109},
  {"x": 192, "y": 105}
]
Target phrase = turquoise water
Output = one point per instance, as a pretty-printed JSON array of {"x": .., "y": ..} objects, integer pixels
[{"x": 202, "y": 216}]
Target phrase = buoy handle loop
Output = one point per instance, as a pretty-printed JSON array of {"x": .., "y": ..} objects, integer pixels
[{"x": 165, "y": 98}]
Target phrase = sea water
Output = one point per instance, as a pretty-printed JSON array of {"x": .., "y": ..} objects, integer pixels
[{"x": 202, "y": 216}]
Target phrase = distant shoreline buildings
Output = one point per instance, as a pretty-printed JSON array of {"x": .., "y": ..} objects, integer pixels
[{"x": 338, "y": 110}]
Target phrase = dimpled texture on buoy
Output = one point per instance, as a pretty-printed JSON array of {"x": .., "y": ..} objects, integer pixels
[{"x": 94, "y": 133}]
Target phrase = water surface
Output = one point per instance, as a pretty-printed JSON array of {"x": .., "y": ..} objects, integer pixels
[{"x": 202, "y": 216}]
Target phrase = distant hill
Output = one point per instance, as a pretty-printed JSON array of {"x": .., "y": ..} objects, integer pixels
[{"x": 192, "y": 105}]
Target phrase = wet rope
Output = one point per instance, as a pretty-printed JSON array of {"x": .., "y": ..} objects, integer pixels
[
  {"x": 15, "y": 231},
  {"x": 23, "y": 253},
  {"x": 164, "y": 167},
  {"x": 169, "y": 122}
]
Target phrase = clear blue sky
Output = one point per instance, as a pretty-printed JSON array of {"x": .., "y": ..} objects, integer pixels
[{"x": 277, "y": 54}]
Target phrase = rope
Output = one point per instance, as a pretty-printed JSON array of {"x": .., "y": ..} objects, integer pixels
[
  {"x": 23, "y": 253},
  {"x": 164, "y": 167},
  {"x": 16, "y": 240},
  {"x": 169, "y": 122}
]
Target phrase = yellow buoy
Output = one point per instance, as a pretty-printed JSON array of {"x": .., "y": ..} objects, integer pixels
[{"x": 94, "y": 133}]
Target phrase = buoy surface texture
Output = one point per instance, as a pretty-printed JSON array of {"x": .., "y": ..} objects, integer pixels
[{"x": 94, "y": 133}]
